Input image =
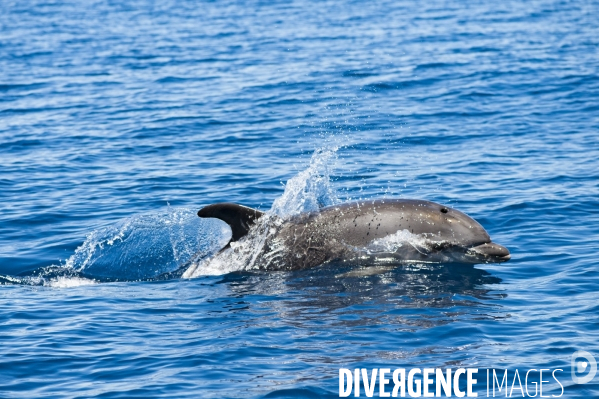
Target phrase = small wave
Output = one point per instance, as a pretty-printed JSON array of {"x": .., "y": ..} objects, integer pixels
[{"x": 60, "y": 281}]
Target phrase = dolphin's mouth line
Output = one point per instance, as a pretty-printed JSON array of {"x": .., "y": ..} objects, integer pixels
[{"x": 491, "y": 251}]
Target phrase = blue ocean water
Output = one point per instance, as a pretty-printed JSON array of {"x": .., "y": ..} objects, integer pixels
[{"x": 119, "y": 120}]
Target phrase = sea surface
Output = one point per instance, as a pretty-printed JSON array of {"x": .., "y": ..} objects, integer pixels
[{"x": 120, "y": 119}]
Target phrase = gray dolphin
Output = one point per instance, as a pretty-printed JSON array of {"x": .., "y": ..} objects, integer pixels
[{"x": 364, "y": 230}]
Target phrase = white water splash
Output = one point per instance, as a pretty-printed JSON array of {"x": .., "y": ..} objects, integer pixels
[
  {"x": 308, "y": 191},
  {"x": 68, "y": 282}
]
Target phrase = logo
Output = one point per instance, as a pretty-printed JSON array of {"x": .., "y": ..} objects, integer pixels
[{"x": 580, "y": 366}]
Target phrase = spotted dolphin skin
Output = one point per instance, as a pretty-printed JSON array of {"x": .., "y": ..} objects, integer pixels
[{"x": 365, "y": 230}]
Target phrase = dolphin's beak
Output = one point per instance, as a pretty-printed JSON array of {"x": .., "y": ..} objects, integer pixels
[{"x": 493, "y": 252}]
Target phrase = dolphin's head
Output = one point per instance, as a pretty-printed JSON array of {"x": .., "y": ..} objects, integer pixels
[{"x": 466, "y": 234}]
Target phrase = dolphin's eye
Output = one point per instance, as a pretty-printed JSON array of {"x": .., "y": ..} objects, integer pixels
[{"x": 444, "y": 210}]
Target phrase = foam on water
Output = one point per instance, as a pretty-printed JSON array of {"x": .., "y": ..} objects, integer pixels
[{"x": 69, "y": 282}]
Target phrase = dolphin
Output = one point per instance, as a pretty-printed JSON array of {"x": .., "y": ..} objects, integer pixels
[{"x": 392, "y": 230}]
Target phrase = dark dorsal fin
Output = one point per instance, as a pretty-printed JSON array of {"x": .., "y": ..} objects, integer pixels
[{"x": 239, "y": 218}]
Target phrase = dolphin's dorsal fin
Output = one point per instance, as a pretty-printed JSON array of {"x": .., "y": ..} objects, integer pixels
[{"x": 239, "y": 218}]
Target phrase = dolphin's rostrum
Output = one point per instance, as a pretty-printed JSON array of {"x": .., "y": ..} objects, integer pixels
[{"x": 363, "y": 230}]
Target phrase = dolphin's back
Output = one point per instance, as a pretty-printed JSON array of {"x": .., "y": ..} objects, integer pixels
[
  {"x": 347, "y": 230},
  {"x": 359, "y": 223}
]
